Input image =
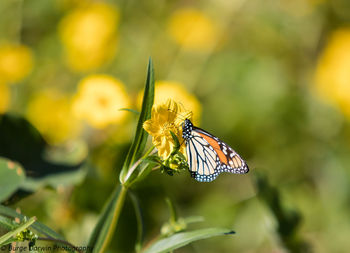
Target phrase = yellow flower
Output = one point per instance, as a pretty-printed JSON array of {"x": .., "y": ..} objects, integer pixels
[
  {"x": 166, "y": 117},
  {"x": 4, "y": 97},
  {"x": 192, "y": 29},
  {"x": 89, "y": 35},
  {"x": 99, "y": 100},
  {"x": 165, "y": 90},
  {"x": 16, "y": 62},
  {"x": 332, "y": 77},
  {"x": 50, "y": 112}
]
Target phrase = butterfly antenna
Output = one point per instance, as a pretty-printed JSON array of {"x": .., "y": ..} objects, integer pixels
[
  {"x": 179, "y": 114},
  {"x": 191, "y": 114}
]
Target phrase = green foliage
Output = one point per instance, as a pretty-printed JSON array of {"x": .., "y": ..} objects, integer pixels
[
  {"x": 140, "y": 227},
  {"x": 256, "y": 87},
  {"x": 130, "y": 110},
  {"x": 106, "y": 224},
  {"x": 22, "y": 143},
  {"x": 11, "y": 177},
  {"x": 141, "y": 135},
  {"x": 138, "y": 164},
  {"x": 105, "y": 227},
  {"x": 41, "y": 228},
  {"x": 288, "y": 221},
  {"x": 176, "y": 162},
  {"x": 181, "y": 239},
  {"x": 6, "y": 223},
  {"x": 20, "y": 232},
  {"x": 173, "y": 236},
  {"x": 109, "y": 216}
]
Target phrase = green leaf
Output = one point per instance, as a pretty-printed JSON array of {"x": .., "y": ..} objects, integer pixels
[
  {"x": 154, "y": 159},
  {"x": 181, "y": 239},
  {"x": 11, "y": 177},
  {"x": 75, "y": 152},
  {"x": 37, "y": 226},
  {"x": 141, "y": 135},
  {"x": 6, "y": 223},
  {"x": 140, "y": 228},
  {"x": 177, "y": 143},
  {"x": 105, "y": 226},
  {"x": 145, "y": 168},
  {"x": 105, "y": 215},
  {"x": 41, "y": 228},
  {"x": 14, "y": 232},
  {"x": 22, "y": 142},
  {"x": 56, "y": 180},
  {"x": 288, "y": 220},
  {"x": 130, "y": 110}
]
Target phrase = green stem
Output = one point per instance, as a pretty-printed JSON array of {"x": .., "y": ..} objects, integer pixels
[
  {"x": 134, "y": 166},
  {"x": 118, "y": 209},
  {"x": 120, "y": 203},
  {"x": 173, "y": 214},
  {"x": 152, "y": 148}
]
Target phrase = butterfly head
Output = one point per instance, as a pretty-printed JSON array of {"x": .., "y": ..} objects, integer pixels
[{"x": 187, "y": 129}]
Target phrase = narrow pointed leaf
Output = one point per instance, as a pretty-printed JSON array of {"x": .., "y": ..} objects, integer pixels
[
  {"x": 140, "y": 227},
  {"x": 181, "y": 239},
  {"x": 141, "y": 135},
  {"x": 176, "y": 140},
  {"x": 105, "y": 216},
  {"x": 37, "y": 226},
  {"x": 104, "y": 229},
  {"x": 20, "y": 228},
  {"x": 145, "y": 170},
  {"x": 41, "y": 228},
  {"x": 6, "y": 223},
  {"x": 130, "y": 110}
]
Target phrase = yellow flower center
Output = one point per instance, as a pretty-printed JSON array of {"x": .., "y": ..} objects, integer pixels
[
  {"x": 103, "y": 102},
  {"x": 166, "y": 128}
]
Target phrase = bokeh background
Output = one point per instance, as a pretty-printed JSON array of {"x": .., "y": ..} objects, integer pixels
[{"x": 271, "y": 78}]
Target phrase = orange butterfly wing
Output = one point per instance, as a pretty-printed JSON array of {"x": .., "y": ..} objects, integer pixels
[
  {"x": 230, "y": 158},
  {"x": 208, "y": 156}
]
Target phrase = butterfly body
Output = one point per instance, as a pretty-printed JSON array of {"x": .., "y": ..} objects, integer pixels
[{"x": 208, "y": 156}]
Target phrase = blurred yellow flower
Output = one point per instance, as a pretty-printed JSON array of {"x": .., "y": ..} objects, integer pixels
[
  {"x": 4, "y": 97},
  {"x": 192, "y": 29},
  {"x": 89, "y": 35},
  {"x": 99, "y": 100},
  {"x": 50, "y": 112},
  {"x": 332, "y": 77},
  {"x": 165, "y": 90},
  {"x": 16, "y": 62},
  {"x": 166, "y": 117}
]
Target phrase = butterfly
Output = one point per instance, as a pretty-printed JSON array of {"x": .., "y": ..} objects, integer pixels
[{"x": 208, "y": 156}]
